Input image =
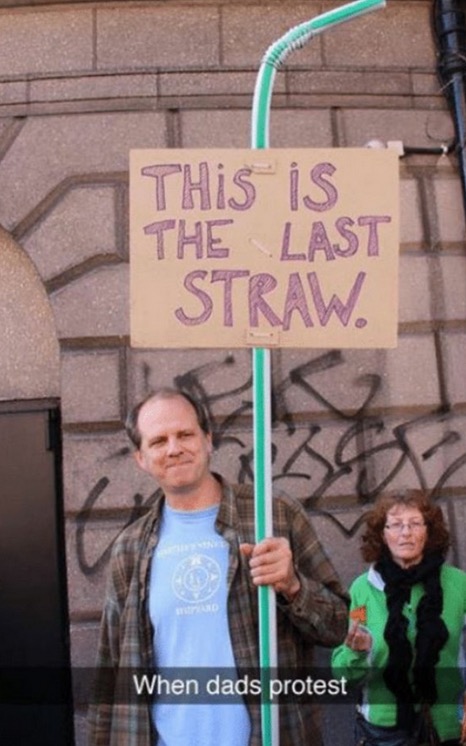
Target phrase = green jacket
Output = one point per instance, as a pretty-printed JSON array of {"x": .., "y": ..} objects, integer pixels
[{"x": 368, "y": 603}]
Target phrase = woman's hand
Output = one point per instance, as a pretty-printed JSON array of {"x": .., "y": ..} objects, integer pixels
[{"x": 358, "y": 638}]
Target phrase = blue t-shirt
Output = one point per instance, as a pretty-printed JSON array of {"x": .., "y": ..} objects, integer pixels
[{"x": 188, "y": 610}]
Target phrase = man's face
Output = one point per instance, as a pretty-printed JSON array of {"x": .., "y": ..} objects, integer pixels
[{"x": 174, "y": 449}]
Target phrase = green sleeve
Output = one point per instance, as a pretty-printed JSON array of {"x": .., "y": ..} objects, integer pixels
[{"x": 351, "y": 664}]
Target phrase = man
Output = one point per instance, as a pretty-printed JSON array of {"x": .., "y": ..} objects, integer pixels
[{"x": 182, "y": 593}]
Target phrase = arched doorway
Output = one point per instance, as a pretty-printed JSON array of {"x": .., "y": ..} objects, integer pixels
[{"x": 35, "y": 700}]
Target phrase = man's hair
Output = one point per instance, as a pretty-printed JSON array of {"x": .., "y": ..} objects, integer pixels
[{"x": 132, "y": 426}]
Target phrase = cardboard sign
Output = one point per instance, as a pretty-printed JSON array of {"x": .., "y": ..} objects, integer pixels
[{"x": 286, "y": 248}]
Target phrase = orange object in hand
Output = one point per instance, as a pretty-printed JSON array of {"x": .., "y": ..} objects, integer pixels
[{"x": 359, "y": 614}]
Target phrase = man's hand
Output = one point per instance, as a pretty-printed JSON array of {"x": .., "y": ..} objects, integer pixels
[{"x": 271, "y": 563}]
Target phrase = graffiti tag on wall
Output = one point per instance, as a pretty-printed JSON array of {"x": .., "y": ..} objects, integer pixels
[{"x": 368, "y": 454}]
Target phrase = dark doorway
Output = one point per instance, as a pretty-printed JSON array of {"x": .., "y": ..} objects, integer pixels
[{"x": 35, "y": 690}]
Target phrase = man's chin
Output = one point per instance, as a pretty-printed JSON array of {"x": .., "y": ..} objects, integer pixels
[{"x": 180, "y": 486}]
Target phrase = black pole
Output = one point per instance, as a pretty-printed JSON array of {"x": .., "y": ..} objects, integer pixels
[{"x": 449, "y": 21}]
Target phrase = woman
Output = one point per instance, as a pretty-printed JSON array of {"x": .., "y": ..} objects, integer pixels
[{"x": 404, "y": 644}]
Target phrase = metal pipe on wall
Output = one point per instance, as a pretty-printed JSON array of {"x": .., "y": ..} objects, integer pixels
[{"x": 449, "y": 24}]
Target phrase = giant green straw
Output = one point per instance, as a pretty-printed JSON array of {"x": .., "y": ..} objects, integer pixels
[{"x": 295, "y": 38}]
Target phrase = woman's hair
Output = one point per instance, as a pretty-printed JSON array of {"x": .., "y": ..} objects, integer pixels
[
  {"x": 438, "y": 537},
  {"x": 131, "y": 424}
]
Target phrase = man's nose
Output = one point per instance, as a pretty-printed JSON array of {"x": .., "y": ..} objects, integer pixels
[{"x": 173, "y": 446}]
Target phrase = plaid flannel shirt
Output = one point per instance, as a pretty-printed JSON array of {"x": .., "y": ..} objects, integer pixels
[{"x": 317, "y": 615}]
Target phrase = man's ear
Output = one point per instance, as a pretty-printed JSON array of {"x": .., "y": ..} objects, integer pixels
[
  {"x": 141, "y": 461},
  {"x": 139, "y": 458}
]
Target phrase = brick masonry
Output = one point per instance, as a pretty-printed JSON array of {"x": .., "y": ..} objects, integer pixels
[{"x": 83, "y": 83}]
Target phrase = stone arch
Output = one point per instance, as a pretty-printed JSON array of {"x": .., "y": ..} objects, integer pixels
[{"x": 29, "y": 350}]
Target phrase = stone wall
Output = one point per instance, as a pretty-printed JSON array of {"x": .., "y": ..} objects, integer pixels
[{"x": 83, "y": 83}]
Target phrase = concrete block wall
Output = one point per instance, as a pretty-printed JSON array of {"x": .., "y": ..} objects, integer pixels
[{"x": 83, "y": 83}]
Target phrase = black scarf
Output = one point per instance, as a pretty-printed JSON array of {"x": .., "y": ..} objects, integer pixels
[{"x": 431, "y": 633}]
